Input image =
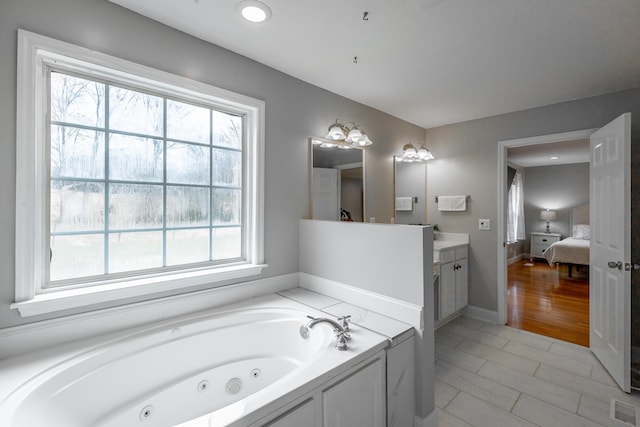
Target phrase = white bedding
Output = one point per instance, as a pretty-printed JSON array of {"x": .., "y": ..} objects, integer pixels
[{"x": 569, "y": 251}]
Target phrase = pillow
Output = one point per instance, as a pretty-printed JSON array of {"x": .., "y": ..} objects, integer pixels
[{"x": 581, "y": 231}]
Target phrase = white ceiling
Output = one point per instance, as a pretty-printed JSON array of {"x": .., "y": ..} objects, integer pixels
[
  {"x": 573, "y": 151},
  {"x": 431, "y": 62}
]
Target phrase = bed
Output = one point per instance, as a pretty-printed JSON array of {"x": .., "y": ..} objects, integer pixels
[{"x": 573, "y": 250}]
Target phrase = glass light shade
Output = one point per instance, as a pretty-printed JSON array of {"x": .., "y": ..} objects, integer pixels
[
  {"x": 424, "y": 153},
  {"x": 366, "y": 141},
  {"x": 336, "y": 133},
  {"x": 409, "y": 151},
  {"x": 548, "y": 215},
  {"x": 355, "y": 135}
]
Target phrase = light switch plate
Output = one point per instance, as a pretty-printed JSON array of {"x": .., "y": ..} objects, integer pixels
[{"x": 484, "y": 224}]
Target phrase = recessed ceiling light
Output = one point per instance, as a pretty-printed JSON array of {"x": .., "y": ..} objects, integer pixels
[
  {"x": 254, "y": 11},
  {"x": 554, "y": 158}
]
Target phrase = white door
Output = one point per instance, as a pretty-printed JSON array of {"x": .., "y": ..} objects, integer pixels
[
  {"x": 325, "y": 194},
  {"x": 609, "y": 275}
]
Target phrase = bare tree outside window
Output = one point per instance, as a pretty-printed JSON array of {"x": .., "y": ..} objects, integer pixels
[{"x": 139, "y": 181}]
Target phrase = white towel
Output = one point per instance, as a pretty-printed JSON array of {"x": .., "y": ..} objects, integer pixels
[
  {"x": 452, "y": 203},
  {"x": 404, "y": 203}
]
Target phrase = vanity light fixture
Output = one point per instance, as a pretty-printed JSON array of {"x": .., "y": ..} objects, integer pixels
[
  {"x": 411, "y": 154},
  {"x": 424, "y": 153},
  {"x": 332, "y": 143},
  {"x": 351, "y": 134},
  {"x": 254, "y": 11},
  {"x": 547, "y": 215}
]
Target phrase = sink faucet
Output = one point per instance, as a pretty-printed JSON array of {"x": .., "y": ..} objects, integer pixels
[{"x": 341, "y": 334}]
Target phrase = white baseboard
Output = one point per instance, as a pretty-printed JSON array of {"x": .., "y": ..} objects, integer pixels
[
  {"x": 515, "y": 259},
  {"x": 481, "y": 314},
  {"x": 35, "y": 336},
  {"x": 430, "y": 421},
  {"x": 392, "y": 307}
]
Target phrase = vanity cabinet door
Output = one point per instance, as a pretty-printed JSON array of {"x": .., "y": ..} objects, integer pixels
[
  {"x": 461, "y": 283},
  {"x": 447, "y": 289},
  {"x": 358, "y": 400},
  {"x": 453, "y": 281}
]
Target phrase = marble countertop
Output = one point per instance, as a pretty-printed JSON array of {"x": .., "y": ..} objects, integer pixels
[
  {"x": 444, "y": 241},
  {"x": 439, "y": 245}
]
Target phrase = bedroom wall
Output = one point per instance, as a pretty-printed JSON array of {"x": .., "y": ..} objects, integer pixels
[
  {"x": 295, "y": 110},
  {"x": 559, "y": 188}
]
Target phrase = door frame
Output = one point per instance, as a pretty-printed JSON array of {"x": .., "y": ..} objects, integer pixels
[{"x": 502, "y": 205}]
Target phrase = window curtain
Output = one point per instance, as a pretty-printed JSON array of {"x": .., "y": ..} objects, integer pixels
[{"x": 515, "y": 210}]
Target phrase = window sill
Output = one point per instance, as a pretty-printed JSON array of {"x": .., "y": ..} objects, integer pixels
[{"x": 76, "y": 298}]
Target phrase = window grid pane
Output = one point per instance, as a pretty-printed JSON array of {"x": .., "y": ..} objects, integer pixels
[{"x": 159, "y": 180}]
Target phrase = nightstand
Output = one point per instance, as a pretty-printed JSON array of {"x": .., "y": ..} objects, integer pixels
[{"x": 540, "y": 242}]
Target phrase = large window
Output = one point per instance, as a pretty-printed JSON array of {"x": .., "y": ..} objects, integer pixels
[{"x": 137, "y": 181}]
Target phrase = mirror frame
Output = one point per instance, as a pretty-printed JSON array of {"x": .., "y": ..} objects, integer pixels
[{"x": 317, "y": 140}]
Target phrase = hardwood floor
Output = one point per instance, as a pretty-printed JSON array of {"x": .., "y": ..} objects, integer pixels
[{"x": 544, "y": 300}]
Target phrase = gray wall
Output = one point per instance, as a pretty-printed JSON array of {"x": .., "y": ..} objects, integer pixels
[
  {"x": 558, "y": 188},
  {"x": 411, "y": 181},
  {"x": 466, "y": 163},
  {"x": 294, "y": 111}
]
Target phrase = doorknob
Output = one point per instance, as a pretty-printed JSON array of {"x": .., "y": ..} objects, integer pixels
[{"x": 614, "y": 264}]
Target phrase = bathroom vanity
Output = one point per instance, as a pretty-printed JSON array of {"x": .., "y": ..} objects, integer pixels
[{"x": 450, "y": 256}]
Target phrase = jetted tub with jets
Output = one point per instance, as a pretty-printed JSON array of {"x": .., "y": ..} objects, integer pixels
[{"x": 211, "y": 369}]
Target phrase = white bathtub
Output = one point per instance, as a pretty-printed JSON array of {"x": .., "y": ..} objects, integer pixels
[{"x": 209, "y": 369}]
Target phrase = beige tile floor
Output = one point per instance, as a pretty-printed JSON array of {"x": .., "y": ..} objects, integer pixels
[{"x": 496, "y": 376}]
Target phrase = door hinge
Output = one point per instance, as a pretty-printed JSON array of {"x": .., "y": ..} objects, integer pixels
[{"x": 629, "y": 266}]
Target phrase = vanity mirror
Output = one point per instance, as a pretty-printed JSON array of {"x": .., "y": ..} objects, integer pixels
[
  {"x": 337, "y": 181},
  {"x": 410, "y": 179}
]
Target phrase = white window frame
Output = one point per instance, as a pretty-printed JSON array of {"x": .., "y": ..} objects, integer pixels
[{"x": 35, "y": 54}]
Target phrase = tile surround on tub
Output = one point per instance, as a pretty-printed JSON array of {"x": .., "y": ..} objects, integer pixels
[
  {"x": 391, "y": 307},
  {"x": 371, "y": 320},
  {"x": 309, "y": 298},
  {"x": 387, "y": 326}
]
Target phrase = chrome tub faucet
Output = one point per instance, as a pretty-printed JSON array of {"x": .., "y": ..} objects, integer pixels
[{"x": 342, "y": 336}]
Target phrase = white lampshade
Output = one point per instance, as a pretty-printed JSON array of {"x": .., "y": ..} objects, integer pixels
[
  {"x": 409, "y": 151},
  {"x": 366, "y": 141},
  {"x": 355, "y": 136},
  {"x": 425, "y": 154},
  {"x": 548, "y": 215},
  {"x": 336, "y": 133}
]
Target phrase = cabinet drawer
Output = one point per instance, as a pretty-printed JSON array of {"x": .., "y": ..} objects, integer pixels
[
  {"x": 462, "y": 252},
  {"x": 538, "y": 250},
  {"x": 544, "y": 240},
  {"x": 447, "y": 256}
]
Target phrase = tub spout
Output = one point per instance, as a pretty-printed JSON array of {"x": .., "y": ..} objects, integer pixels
[{"x": 341, "y": 335}]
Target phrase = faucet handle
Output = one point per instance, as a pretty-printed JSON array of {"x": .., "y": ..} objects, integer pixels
[
  {"x": 344, "y": 321},
  {"x": 341, "y": 341}
]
